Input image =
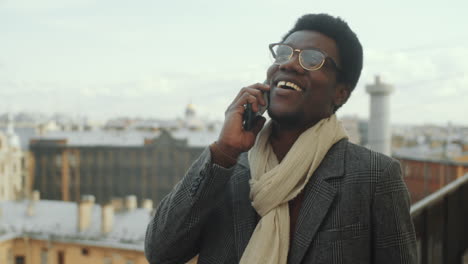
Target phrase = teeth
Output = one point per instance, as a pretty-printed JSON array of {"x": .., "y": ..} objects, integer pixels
[{"x": 289, "y": 84}]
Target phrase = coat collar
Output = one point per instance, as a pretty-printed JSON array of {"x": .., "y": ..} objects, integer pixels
[{"x": 318, "y": 196}]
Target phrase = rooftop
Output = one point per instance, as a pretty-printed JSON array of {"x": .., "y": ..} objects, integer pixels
[
  {"x": 58, "y": 221},
  {"x": 129, "y": 138}
]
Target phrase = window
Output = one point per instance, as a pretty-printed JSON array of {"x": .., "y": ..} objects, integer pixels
[
  {"x": 10, "y": 256},
  {"x": 44, "y": 256},
  {"x": 72, "y": 159},
  {"x": 60, "y": 257},
  {"x": 107, "y": 260},
  {"x": 407, "y": 170},
  {"x": 58, "y": 160},
  {"x": 20, "y": 260},
  {"x": 84, "y": 251}
]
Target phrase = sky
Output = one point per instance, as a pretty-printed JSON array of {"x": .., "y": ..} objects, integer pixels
[{"x": 150, "y": 58}]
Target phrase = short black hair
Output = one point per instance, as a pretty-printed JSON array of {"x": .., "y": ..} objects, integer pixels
[{"x": 349, "y": 47}]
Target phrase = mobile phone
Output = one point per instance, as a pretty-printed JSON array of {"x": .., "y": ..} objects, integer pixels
[{"x": 249, "y": 115}]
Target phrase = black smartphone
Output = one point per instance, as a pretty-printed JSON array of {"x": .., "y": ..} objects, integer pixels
[{"x": 249, "y": 114}]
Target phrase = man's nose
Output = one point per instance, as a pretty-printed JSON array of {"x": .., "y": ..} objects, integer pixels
[{"x": 292, "y": 64}]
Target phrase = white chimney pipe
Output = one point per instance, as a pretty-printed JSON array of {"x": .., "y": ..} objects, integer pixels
[
  {"x": 147, "y": 204},
  {"x": 107, "y": 218},
  {"x": 30, "y": 209},
  {"x": 85, "y": 210},
  {"x": 131, "y": 202},
  {"x": 117, "y": 203},
  {"x": 35, "y": 196}
]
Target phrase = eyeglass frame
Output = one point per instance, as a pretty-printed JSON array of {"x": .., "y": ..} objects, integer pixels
[{"x": 325, "y": 57}]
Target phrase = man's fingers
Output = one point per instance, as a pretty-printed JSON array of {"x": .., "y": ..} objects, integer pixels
[
  {"x": 255, "y": 90},
  {"x": 250, "y": 99},
  {"x": 241, "y": 102}
]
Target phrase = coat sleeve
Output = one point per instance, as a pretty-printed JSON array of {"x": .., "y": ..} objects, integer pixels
[
  {"x": 174, "y": 233},
  {"x": 394, "y": 239}
]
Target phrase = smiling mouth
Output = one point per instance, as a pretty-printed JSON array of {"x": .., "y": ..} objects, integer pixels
[{"x": 289, "y": 85}]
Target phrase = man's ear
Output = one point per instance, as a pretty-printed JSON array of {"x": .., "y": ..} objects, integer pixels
[{"x": 342, "y": 93}]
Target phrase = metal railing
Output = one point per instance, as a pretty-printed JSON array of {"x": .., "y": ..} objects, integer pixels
[{"x": 441, "y": 223}]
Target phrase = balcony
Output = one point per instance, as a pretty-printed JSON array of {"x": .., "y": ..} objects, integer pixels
[{"x": 441, "y": 221}]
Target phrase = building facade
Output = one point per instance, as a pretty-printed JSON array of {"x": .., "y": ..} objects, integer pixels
[
  {"x": 34, "y": 251},
  {"x": 424, "y": 176},
  {"x": 64, "y": 172},
  {"x": 11, "y": 166}
]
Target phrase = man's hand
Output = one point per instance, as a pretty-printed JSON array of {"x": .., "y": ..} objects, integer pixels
[{"x": 233, "y": 139}]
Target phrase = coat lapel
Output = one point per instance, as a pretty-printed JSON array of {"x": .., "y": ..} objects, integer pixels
[
  {"x": 245, "y": 216},
  {"x": 318, "y": 197}
]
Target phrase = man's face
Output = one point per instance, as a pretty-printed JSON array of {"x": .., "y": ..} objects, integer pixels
[{"x": 320, "y": 91}]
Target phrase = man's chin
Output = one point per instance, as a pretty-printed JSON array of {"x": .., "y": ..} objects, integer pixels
[{"x": 285, "y": 119}]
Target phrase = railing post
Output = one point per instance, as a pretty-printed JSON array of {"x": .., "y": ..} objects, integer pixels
[
  {"x": 445, "y": 232},
  {"x": 424, "y": 237}
]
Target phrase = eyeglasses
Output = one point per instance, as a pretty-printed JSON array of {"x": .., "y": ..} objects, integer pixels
[{"x": 309, "y": 59}]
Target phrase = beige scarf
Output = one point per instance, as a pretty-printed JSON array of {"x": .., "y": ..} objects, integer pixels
[{"x": 273, "y": 184}]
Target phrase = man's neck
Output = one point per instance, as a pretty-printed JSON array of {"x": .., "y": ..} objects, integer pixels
[{"x": 282, "y": 139}]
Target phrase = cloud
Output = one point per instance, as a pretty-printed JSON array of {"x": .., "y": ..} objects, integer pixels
[
  {"x": 164, "y": 93},
  {"x": 430, "y": 86},
  {"x": 426, "y": 90}
]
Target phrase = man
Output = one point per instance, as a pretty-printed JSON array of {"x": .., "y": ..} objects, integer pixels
[{"x": 302, "y": 193}]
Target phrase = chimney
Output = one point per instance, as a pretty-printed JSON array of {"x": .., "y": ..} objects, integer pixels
[
  {"x": 85, "y": 210},
  {"x": 35, "y": 196},
  {"x": 107, "y": 218},
  {"x": 130, "y": 202},
  {"x": 117, "y": 203},
  {"x": 30, "y": 209},
  {"x": 380, "y": 135},
  {"x": 147, "y": 204}
]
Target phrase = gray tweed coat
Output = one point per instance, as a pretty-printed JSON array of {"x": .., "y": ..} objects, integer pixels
[{"x": 355, "y": 210}]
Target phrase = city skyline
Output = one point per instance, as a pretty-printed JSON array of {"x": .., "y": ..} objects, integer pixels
[{"x": 108, "y": 59}]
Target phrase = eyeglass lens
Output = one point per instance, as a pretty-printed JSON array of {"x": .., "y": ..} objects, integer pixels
[{"x": 310, "y": 59}]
